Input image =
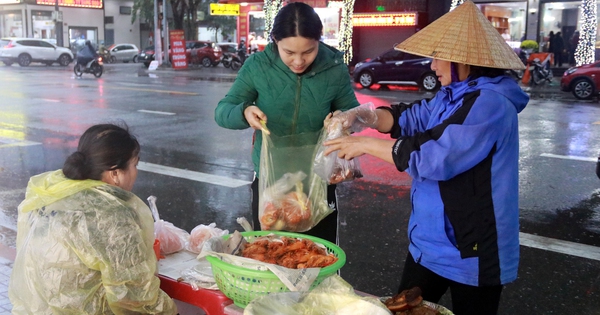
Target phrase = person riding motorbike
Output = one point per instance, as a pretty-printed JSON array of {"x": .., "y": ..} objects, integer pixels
[{"x": 87, "y": 54}]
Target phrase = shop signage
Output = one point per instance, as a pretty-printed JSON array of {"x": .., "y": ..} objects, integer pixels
[
  {"x": 177, "y": 40},
  {"x": 224, "y": 9},
  {"x": 386, "y": 19},
  {"x": 9, "y": 1},
  {"x": 97, "y": 4}
]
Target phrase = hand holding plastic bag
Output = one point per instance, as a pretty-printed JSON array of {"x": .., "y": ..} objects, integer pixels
[
  {"x": 356, "y": 119},
  {"x": 331, "y": 168},
  {"x": 172, "y": 239}
]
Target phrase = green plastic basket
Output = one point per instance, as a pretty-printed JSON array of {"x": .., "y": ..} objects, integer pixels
[{"x": 243, "y": 285}]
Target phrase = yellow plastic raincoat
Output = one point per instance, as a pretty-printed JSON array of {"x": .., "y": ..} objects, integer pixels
[{"x": 84, "y": 247}]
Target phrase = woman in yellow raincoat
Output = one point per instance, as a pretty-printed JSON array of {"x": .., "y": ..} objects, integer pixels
[{"x": 84, "y": 241}]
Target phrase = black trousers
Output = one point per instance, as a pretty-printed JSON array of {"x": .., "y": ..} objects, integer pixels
[
  {"x": 466, "y": 299},
  {"x": 326, "y": 229}
]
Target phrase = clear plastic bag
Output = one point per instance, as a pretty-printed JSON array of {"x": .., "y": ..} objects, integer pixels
[
  {"x": 331, "y": 168},
  {"x": 333, "y": 296},
  {"x": 200, "y": 234},
  {"x": 291, "y": 196},
  {"x": 172, "y": 239}
]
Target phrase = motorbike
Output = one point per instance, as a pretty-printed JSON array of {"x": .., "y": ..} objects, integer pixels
[
  {"x": 94, "y": 67},
  {"x": 540, "y": 72},
  {"x": 238, "y": 60},
  {"x": 226, "y": 60}
]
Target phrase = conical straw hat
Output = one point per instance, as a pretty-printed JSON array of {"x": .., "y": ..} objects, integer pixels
[{"x": 463, "y": 35}]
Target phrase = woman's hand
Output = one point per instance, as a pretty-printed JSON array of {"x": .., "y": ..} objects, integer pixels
[
  {"x": 349, "y": 146},
  {"x": 254, "y": 116},
  {"x": 354, "y": 146}
]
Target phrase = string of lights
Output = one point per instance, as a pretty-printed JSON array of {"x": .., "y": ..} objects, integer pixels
[
  {"x": 345, "y": 34},
  {"x": 585, "y": 51},
  {"x": 455, "y": 3},
  {"x": 271, "y": 7}
]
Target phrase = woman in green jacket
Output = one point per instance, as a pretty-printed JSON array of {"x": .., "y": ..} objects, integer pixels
[{"x": 292, "y": 86}]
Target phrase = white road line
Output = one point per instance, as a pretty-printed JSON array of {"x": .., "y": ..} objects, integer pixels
[
  {"x": 558, "y": 246},
  {"x": 50, "y": 100},
  {"x": 155, "y": 112},
  {"x": 8, "y": 142},
  {"x": 191, "y": 175},
  {"x": 569, "y": 157}
]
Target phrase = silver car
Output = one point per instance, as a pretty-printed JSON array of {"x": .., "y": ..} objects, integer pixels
[
  {"x": 24, "y": 51},
  {"x": 123, "y": 52}
]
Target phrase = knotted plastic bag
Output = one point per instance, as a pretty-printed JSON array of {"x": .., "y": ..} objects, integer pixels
[
  {"x": 172, "y": 239},
  {"x": 291, "y": 196}
]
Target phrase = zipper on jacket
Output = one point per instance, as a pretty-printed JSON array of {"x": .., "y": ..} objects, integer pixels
[{"x": 297, "y": 104}]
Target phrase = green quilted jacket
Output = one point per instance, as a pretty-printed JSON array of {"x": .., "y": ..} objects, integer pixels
[{"x": 293, "y": 103}]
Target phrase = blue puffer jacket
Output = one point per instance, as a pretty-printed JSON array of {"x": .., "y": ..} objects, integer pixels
[{"x": 462, "y": 150}]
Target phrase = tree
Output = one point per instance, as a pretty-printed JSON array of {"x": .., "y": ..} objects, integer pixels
[{"x": 145, "y": 10}]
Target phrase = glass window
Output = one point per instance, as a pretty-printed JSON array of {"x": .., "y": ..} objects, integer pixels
[
  {"x": 11, "y": 24},
  {"x": 43, "y": 25},
  {"x": 508, "y": 18}
]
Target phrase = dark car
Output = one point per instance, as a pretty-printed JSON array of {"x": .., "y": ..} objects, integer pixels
[
  {"x": 146, "y": 55},
  {"x": 582, "y": 81},
  {"x": 203, "y": 52},
  {"x": 397, "y": 67}
]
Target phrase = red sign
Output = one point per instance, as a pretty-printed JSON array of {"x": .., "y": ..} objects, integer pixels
[
  {"x": 74, "y": 3},
  {"x": 177, "y": 39},
  {"x": 384, "y": 19}
]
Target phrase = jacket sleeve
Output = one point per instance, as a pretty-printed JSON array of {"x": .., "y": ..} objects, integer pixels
[
  {"x": 230, "y": 110},
  {"x": 459, "y": 142},
  {"x": 120, "y": 248},
  {"x": 346, "y": 98}
]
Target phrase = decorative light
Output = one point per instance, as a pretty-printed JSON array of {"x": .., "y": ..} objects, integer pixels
[
  {"x": 456, "y": 3},
  {"x": 585, "y": 51},
  {"x": 346, "y": 30},
  {"x": 271, "y": 8}
]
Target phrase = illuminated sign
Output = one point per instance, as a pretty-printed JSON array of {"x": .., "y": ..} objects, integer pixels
[
  {"x": 384, "y": 19},
  {"x": 97, "y": 4},
  {"x": 224, "y": 9},
  {"x": 9, "y": 1}
]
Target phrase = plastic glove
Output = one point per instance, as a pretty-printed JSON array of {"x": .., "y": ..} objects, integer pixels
[{"x": 356, "y": 119}]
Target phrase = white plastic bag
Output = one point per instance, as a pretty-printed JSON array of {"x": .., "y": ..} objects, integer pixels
[
  {"x": 200, "y": 234},
  {"x": 172, "y": 239}
]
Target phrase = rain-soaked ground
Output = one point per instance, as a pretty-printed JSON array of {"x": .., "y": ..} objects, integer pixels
[{"x": 171, "y": 113}]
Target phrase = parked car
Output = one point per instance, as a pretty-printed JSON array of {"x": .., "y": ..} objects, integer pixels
[
  {"x": 203, "y": 52},
  {"x": 228, "y": 47},
  {"x": 397, "y": 67},
  {"x": 123, "y": 52},
  {"x": 24, "y": 51},
  {"x": 582, "y": 81},
  {"x": 146, "y": 55}
]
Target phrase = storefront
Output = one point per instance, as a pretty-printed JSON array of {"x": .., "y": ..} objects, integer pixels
[{"x": 82, "y": 20}]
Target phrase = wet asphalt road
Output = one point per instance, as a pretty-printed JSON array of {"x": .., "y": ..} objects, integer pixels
[{"x": 44, "y": 110}]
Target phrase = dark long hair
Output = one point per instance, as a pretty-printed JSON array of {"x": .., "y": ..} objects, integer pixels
[
  {"x": 477, "y": 71},
  {"x": 102, "y": 147},
  {"x": 297, "y": 19}
]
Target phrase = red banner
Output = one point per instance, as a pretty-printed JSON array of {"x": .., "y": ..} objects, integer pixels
[{"x": 177, "y": 39}]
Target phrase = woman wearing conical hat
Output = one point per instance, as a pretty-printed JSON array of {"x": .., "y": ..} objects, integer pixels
[{"x": 461, "y": 149}]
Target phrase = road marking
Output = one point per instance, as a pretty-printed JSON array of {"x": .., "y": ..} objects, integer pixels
[
  {"x": 192, "y": 175},
  {"x": 7, "y": 142},
  {"x": 559, "y": 246},
  {"x": 50, "y": 100},
  {"x": 156, "y": 91},
  {"x": 155, "y": 112},
  {"x": 569, "y": 157}
]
